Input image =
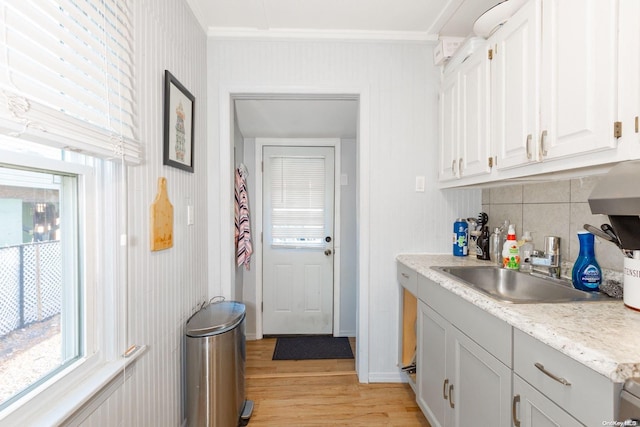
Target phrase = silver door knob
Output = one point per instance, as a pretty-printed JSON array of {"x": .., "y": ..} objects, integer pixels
[{"x": 327, "y": 252}]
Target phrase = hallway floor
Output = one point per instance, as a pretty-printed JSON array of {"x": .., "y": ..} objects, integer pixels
[{"x": 322, "y": 392}]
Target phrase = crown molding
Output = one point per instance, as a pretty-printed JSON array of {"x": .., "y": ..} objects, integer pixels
[{"x": 303, "y": 34}]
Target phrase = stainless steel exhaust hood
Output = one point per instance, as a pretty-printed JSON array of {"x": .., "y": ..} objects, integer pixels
[{"x": 617, "y": 195}]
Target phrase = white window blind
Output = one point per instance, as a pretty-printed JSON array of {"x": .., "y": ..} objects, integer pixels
[
  {"x": 67, "y": 75},
  {"x": 297, "y": 201}
]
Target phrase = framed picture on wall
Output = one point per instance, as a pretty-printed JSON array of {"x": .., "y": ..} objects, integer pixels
[{"x": 179, "y": 106}]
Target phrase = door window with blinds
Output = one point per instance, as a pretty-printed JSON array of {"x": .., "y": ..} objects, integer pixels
[{"x": 297, "y": 202}]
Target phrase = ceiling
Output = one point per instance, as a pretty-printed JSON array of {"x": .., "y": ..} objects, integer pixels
[
  {"x": 391, "y": 19},
  {"x": 297, "y": 118}
]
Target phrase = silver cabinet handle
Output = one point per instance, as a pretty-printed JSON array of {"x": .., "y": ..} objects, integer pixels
[
  {"x": 451, "y": 396},
  {"x": 405, "y": 275},
  {"x": 529, "y": 138},
  {"x": 460, "y": 163},
  {"x": 543, "y": 143},
  {"x": 514, "y": 404},
  {"x": 550, "y": 375},
  {"x": 453, "y": 168},
  {"x": 444, "y": 389}
]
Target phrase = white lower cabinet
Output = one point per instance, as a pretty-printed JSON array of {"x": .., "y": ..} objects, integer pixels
[
  {"x": 431, "y": 363},
  {"x": 459, "y": 383},
  {"x": 474, "y": 369},
  {"x": 532, "y": 409}
]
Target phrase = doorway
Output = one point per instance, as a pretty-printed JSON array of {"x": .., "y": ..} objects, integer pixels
[
  {"x": 351, "y": 300},
  {"x": 297, "y": 245}
]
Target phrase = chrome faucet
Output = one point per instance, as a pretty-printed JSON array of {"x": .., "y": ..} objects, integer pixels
[{"x": 550, "y": 258}]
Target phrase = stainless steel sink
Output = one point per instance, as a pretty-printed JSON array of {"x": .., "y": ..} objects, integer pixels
[{"x": 516, "y": 287}]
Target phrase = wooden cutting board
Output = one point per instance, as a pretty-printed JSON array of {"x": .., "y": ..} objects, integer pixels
[{"x": 161, "y": 219}]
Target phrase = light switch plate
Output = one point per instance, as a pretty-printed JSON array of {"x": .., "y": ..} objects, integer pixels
[
  {"x": 189, "y": 215},
  {"x": 419, "y": 184}
]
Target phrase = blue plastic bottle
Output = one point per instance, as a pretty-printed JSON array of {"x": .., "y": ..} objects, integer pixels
[{"x": 586, "y": 274}]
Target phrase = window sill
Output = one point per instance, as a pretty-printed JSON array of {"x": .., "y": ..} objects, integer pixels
[{"x": 72, "y": 395}]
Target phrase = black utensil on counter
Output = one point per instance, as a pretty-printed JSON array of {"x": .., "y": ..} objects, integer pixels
[
  {"x": 483, "y": 219},
  {"x": 598, "y": 232},
  {"x": 609, "y": 230},
  {"x": 608, "y": 237}
]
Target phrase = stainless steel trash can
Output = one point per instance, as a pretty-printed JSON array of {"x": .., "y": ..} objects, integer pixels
[{"x": 215, "y": 358}]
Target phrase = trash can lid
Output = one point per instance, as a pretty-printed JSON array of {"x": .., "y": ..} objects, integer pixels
[{"x": 216, "y": 318}]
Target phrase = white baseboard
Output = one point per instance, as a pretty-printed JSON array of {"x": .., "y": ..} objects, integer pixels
[{"x": 387, "y": 377}]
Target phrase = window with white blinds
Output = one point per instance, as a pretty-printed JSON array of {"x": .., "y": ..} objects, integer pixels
[
  {"x": 298, "y": 201},
  {"x": 67, "y": 75}
]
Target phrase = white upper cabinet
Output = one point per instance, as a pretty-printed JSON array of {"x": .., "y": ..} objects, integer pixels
[
  {"x": 561, "y": 75},
  {"x": 514, "y": 78},
  {"x": 629, "y": 70},
  {"x": 464, "y": 119},
  {"x": 578, "y": 77},
  {"x": 555, "y": 81},
  {"x": 449, "y": 128},
  {"x": 475, "y": 104}
]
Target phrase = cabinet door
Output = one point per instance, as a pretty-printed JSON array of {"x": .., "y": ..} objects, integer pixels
[
  {"x": 482, "y": 384},
  {"x": 629, "y": 70},
  {"x": 449, "y": 128},
  {"x": 578, "y": 78},
  {"x": 475, "y": 104},
  {"x": 514, "y": 77},
  {"x": 431, "y": 365},
  {"x": 533, "y": 409}
]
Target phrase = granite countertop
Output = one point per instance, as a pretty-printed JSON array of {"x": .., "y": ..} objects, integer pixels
[{"x": 605, "y": 336}]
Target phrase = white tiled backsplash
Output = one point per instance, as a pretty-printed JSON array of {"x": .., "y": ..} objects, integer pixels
[{"x": 557, "y": 208}]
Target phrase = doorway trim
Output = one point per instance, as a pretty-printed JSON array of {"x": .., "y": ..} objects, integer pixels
[{"x": 226, "y": 250}]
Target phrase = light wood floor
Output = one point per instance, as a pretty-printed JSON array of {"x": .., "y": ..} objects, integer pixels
[{"x": 322, "y": 392}]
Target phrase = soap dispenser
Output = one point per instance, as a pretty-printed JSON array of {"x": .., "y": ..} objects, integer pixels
[
  {"x": 586, "y": 274},
  {"x": 510, "y": 250}
]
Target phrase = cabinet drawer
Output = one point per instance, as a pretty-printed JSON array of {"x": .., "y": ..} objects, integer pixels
[
  {"x": 588, "y": 396},
  {"x": 408, "y": 279}
]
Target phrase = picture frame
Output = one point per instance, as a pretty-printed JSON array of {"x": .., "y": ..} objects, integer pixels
[{"x": 179, "y": 108}]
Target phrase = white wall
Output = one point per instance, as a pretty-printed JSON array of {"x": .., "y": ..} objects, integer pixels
[
  {"x": 400, "y": 143},
  {"x": 164, "y": 286}
]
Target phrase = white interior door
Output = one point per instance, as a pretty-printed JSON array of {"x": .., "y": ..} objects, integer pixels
[{"x": 298, "y": 210}]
